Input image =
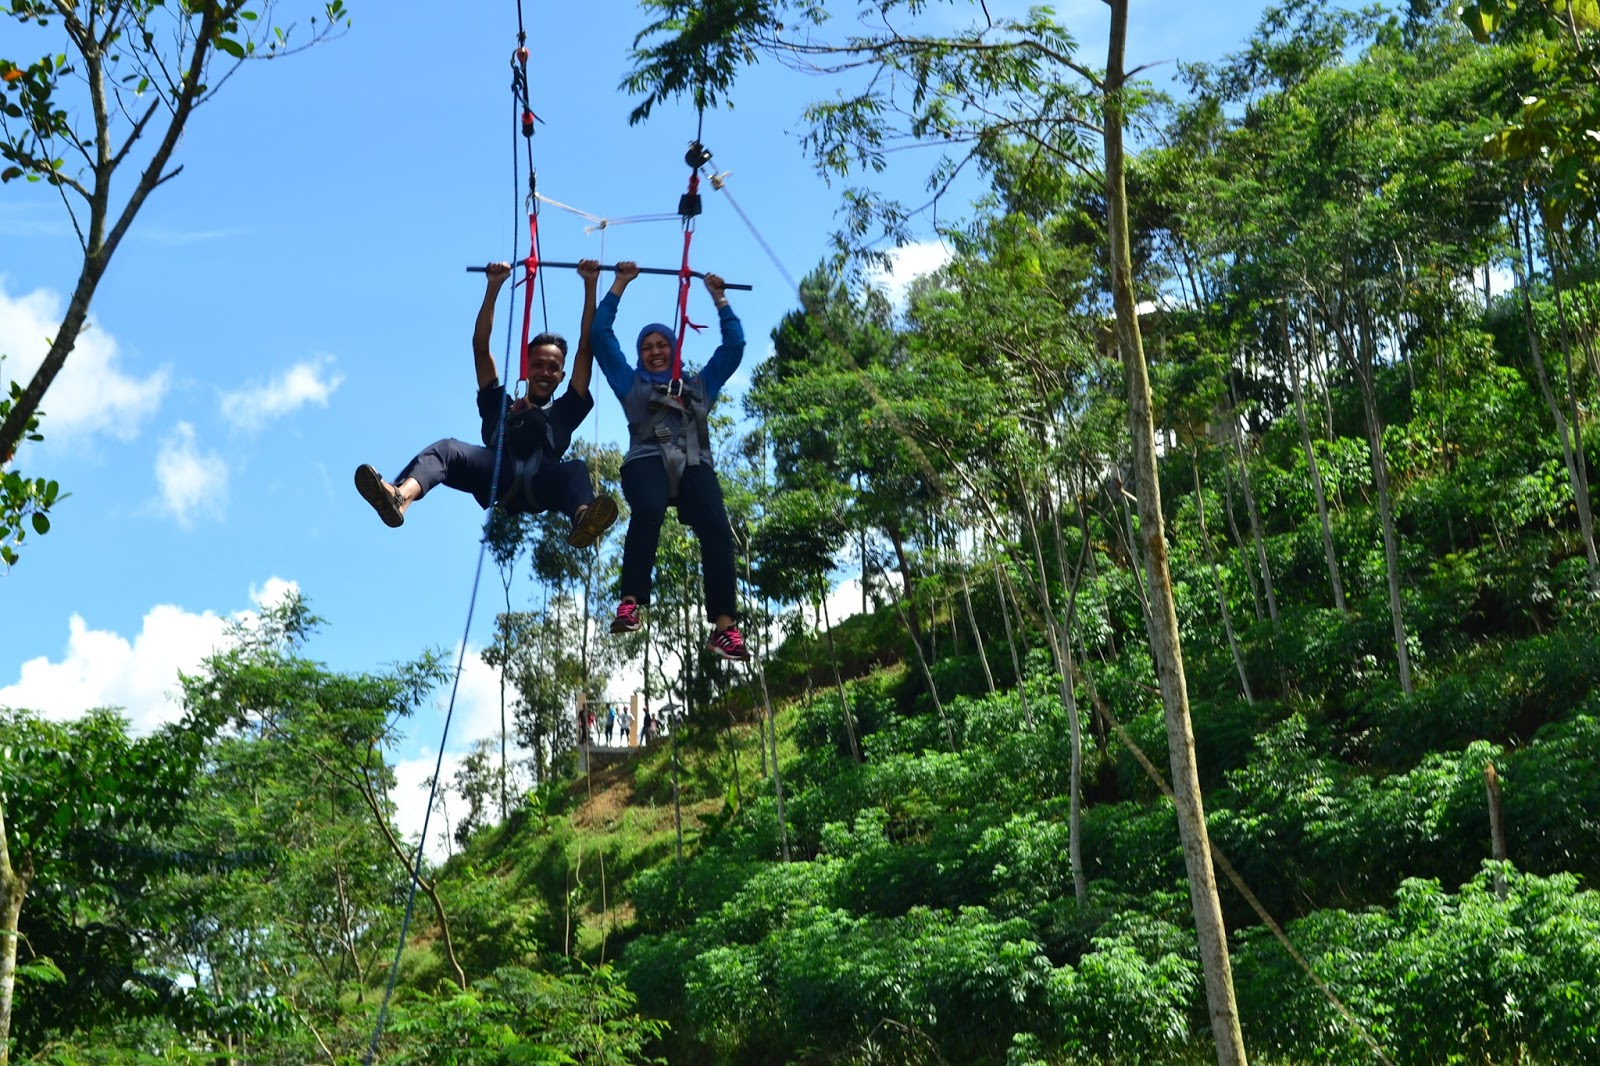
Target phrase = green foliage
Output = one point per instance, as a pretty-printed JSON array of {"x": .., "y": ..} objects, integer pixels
[
  {"x": 24, "y": 502},
  {"x": 90, "y": 813},
  {"x": 523, "y": 1018},
  {"x": 116, "y": 84},
  {"x": 1489, "y": 974}
]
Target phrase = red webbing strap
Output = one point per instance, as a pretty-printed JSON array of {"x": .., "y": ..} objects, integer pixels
[
  {"x": 530, "y": 270},
  {"x": 685, "y": 279}
]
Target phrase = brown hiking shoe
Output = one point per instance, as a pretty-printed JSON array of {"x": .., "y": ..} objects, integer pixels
[
  {"x": 385, "y": 498},
  {"x": 595, "y": 520}
]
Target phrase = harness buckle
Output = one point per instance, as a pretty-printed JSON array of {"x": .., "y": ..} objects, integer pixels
[{"x": 675, "y": 388}]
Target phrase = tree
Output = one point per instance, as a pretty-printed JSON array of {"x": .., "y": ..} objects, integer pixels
[
  {"x": 22, "y": 499},
  {"x": 82, "y": 805},
  {"x": 981, "y": 88},
  {"x": 142, "y": 67}
]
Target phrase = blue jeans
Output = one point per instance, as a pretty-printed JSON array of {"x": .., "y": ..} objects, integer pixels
[{"x": 700, "y": 507}]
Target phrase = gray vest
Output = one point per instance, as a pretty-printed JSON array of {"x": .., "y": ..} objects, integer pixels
[{"x": 673, "y": 427}]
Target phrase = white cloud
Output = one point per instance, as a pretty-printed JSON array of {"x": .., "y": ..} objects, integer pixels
[
  {"x": 104, "y": 669},
  {"x": 101, "y": 668},
  {"x": 906, "y": 264},
  {"x": 91, "y": 394},
  {"x": 271, "y": 594},
  {"x": 410, "y": 797},
  {"x": 845, "y": 600},
  {"x": 251, "y": 407},
  {"x": 190, "y": 482},
  {"x": 160, "y": 235},
  {"x": 477, "y": 712}
]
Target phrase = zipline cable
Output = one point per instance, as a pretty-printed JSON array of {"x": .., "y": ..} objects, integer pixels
[{"x": 519, "y": 83}]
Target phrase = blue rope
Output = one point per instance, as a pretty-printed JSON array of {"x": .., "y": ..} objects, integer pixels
[{"x": 472, "y": 604}]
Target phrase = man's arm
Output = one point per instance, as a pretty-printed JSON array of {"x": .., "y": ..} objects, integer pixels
[
  {"x": 496, "y": 275},
  {"x": 607, "y": 350},
  {"x": 583, "y": 358},
  {"x": 726, "y": 359}
]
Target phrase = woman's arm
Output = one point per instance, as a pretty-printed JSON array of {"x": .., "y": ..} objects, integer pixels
[
  {"x": 730, "y": 353},
  {"x": 603, "y": 341}
]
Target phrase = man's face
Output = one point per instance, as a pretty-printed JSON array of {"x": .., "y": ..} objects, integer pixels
[
  {"x": 655, "y": 353},
  {"x": 546, "y": 368}
]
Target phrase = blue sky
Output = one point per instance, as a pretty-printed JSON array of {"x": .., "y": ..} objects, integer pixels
[{"x": 295, "y": 304}]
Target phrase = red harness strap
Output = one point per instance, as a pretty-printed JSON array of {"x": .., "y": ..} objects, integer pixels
[
  {"x": 685, "y": 280},
  {"x": 530, "y": 270}
]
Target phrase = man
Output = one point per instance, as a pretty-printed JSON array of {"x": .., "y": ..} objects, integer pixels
[{"x": 538, "y": 431}]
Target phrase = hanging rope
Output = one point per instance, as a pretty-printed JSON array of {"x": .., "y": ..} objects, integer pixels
[
  {"x": 531, "y": 266},
  {"x": 689, "y": 206}
]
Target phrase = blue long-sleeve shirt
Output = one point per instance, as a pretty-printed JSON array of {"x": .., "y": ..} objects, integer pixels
[{"x": 620, "y": 371}]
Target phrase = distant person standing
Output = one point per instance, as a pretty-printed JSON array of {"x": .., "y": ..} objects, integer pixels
[{"x": 611, "y": 722}]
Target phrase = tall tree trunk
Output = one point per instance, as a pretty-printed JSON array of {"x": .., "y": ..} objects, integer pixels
[
  {"x": 1216, "y": 579},
  {"x": 1523, "y": 269},
  {"x": 1168, "y": 651},
  {"x": 14, "y": 880},
  {"x": 927, "y": 674},
  {"x": 1011, "y": 642},
  {"x": 972, "y": 622},
  {"x": 1365, "y": 377},
  {"x": 1328, "y": 553},
  {"x": 1060, "y": 651},
  {"x": 1073, "y": 580},
  {"x": 838, "y": 682},
  {"x": 1580, "y": 471},
  {"x": 1239, "y": 545},
  {"x": 907, "y": 590},
  {"x": 1255, "y": 523}
]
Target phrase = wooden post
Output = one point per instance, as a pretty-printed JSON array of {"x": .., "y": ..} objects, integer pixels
[
  {"x": 633, "y": 721},
  {"x": 1497, "y": 827}
]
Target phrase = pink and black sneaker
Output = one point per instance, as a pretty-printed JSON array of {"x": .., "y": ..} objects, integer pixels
[
  {"x": 729, "y": 644},
  {"x": 627, "y": 619}
]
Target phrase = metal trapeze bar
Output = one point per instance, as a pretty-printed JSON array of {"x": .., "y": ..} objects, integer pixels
[{"x": 643, "y": 270}]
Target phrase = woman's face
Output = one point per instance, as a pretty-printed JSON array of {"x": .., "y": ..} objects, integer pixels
[{"x": 655, "y": 353}]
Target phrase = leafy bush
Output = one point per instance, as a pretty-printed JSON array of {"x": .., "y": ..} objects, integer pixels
[
  {"x": 1470, "y": 977},
  {"x": 521, "y": 1016}
]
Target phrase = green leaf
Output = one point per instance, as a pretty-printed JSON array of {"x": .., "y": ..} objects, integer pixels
[
  {"x": 1585, "y": 14},
  {"x": 1482, "y": 19},
  {"x": 43, "y": 970},
  {"x": 230, "y": 46},
  {"x": 41, "y": 523}
]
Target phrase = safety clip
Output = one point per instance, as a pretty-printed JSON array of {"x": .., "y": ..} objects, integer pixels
[{"x": 697, "y": 156}]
